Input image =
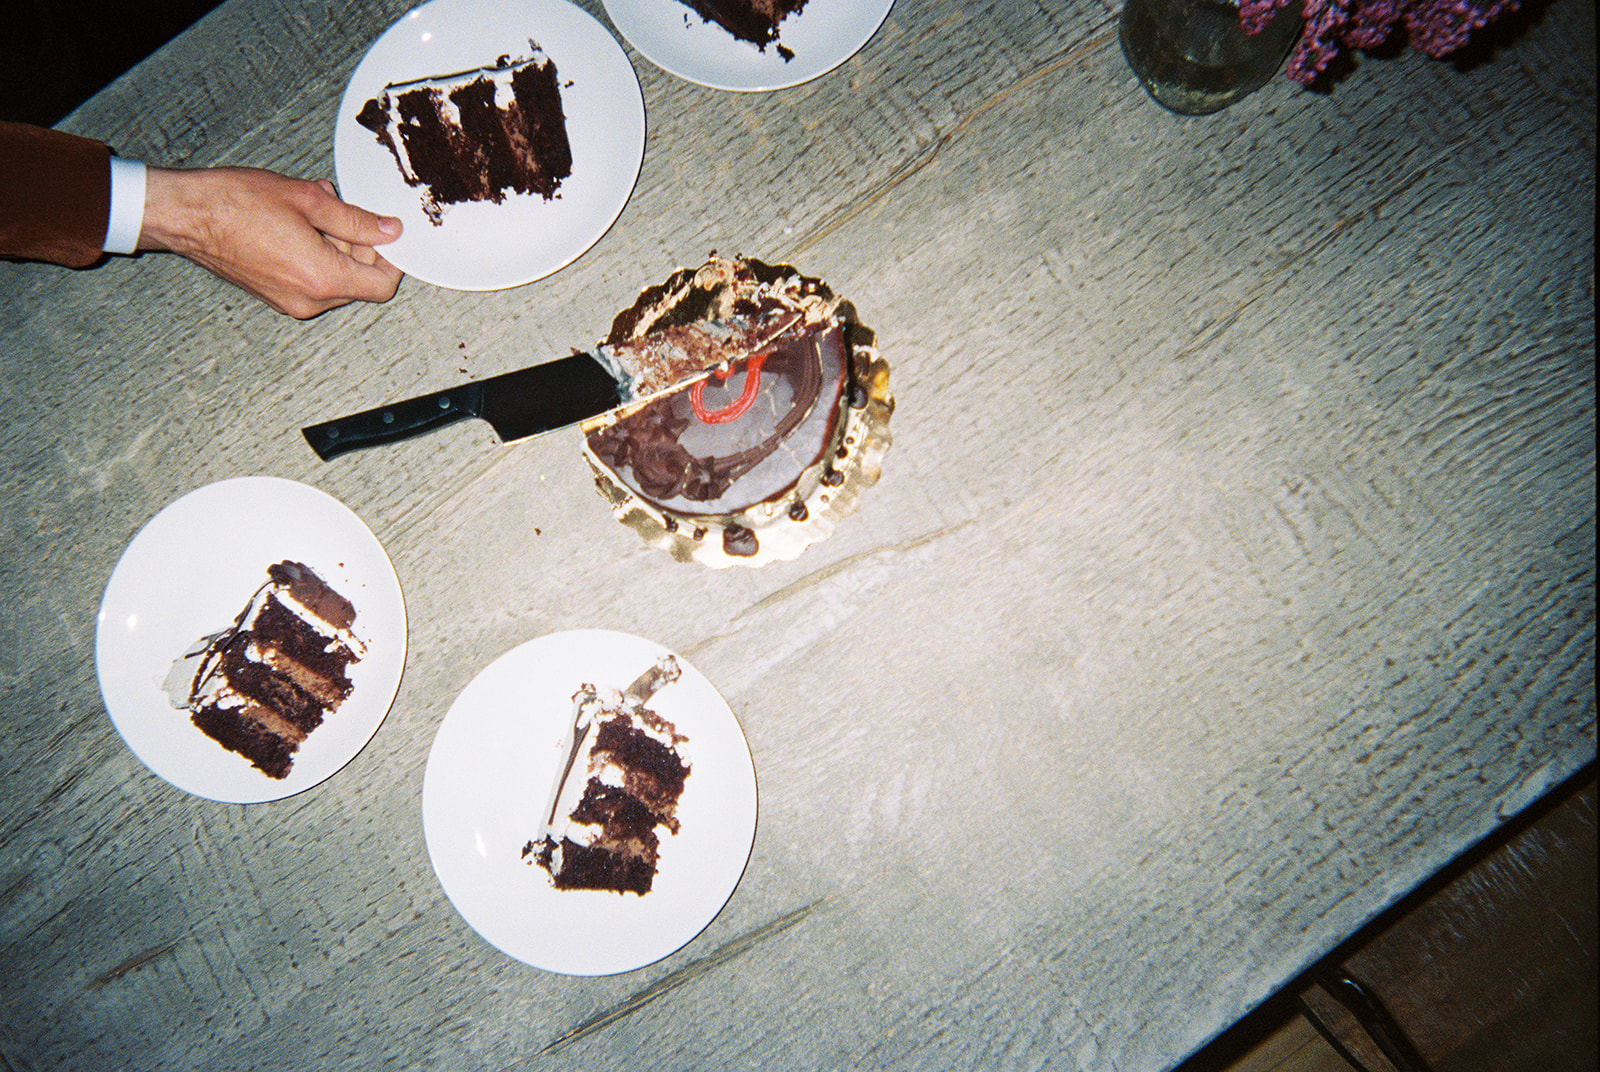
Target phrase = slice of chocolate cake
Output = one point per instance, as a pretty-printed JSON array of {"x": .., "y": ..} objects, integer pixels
[
  {"x": 761, "y": 457},
  {"x": 755, "y": 21},
  {"x": 624, "y": 774},
  {"x": 476, "y": 135},
  {"x": 262, "y": 685}
]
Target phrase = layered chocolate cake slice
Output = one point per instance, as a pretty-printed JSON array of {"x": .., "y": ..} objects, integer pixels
[
  {"x": 624, "y": 774},
  {"x": 755, "y": 21},
  {"x": 476, "y": 135},
  {"x": 261, "y": 686},
  {"x": 762, "y": 455}
]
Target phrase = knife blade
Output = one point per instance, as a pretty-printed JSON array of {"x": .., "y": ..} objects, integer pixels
[
  {"x": 517, "y": 405},
  {"x": 563, "y": 392}
]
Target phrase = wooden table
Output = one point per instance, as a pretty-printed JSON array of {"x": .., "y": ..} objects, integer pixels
[{"x": 1231, "y": 570}]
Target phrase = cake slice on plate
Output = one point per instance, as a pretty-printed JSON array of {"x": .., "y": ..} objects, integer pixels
[
  {"x": 261, "y": 686},
  {"x": 476, "y": 135},
  {"x": 755, "y": 21},
  {"x": 624, "y": 774}
]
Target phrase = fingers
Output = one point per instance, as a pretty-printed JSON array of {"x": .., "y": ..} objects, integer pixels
[
  {"x": 374, "y": 282},
  {"x": 359, "y": 271},
  {"x": 347, "y": 282},
  {"x": 342, "y": 220},
  {"x": 291, "y": 243},
  {"x": 336, "y": 280}
]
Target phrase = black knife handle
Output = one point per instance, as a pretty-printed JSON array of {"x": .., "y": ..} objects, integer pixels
[{"x": 396, "y": 421}]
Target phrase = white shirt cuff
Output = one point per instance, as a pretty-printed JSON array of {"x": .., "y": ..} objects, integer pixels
[{"x": 127, "y": 206}]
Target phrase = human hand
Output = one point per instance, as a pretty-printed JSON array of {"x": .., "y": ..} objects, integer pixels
[{"x": 290, "y": 242}]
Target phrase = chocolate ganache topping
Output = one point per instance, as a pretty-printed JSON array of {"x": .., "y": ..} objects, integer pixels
[
  {"x": 690, "y": 448},
  {"x": 766, "y": 413}
]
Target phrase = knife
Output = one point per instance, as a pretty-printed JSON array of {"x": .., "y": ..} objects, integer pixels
[{"x": 516, "y": 405}]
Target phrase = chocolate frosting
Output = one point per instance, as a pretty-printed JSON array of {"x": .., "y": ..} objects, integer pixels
[
  {"x": 743, "y": 468},
  {"x": 801, "y": 370}
]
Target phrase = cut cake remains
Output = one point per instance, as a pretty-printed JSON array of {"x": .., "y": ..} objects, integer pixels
[{"x": 760, "y": 455}]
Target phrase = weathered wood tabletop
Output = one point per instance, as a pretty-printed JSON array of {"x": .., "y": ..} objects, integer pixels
[{"x": 1230, "y": 572}]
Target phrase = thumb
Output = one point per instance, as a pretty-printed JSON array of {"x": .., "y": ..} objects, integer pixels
[{"x": 342, "y": 220}]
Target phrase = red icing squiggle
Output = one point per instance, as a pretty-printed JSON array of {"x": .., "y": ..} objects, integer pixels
[{"x": 735, "y": 409}]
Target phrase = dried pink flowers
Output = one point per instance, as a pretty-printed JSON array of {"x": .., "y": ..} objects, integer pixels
[{"x": 1437, "y": 27}]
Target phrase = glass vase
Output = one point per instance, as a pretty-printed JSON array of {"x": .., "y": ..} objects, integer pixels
[{"x": 1194, "y": 58}]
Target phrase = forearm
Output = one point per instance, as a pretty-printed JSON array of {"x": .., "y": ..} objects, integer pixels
[{"x": 176, "y": 211}]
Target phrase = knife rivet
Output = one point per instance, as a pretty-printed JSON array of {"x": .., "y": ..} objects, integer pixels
[
  {"x": 444, "y": 403},
  {"x": 388, "y": 418}
]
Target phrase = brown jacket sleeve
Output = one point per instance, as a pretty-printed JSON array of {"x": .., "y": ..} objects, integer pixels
[{"x": 55, "y": 195}]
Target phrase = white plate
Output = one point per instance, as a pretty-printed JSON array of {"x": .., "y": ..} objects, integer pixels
[
  {"x": 494, "y": 761},
  {"x": 479, "y": 245},
  {"x": 188, "y": 573},
  {"x": 822, "y": 35}
]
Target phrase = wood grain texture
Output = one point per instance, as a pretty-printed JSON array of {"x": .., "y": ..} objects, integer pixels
[
  {"x": 1489, "y": 967},
  {"x": 1231, "y": 571}
]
